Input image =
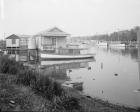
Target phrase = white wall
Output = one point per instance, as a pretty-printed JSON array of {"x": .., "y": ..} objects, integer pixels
[
  {"x": 31, "y": 43},
  {"x": 9, "y": 43},
  {"x": 24, "y": 41},
  {"x": 61, "y": 42},
  {"x": 38, "y": 42}
]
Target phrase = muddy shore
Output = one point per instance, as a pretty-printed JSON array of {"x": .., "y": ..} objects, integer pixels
[{"x": 20, "y": 98}]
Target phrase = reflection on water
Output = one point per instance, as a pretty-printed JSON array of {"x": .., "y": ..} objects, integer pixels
[
  {"x": 126, "y": 52},
  {"x": 114, "y": 76},
  {"x": 60, "y": 69},
  {"x": 132, "y": 52},
  {"x": 118, "y": 78}
]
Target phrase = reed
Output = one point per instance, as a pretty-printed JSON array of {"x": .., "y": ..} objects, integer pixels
[
  {"x": 40, "y": 84},
  {"x": 10, "y": 66},
  {"x": 48, "y": 88},
  {"x": 26, "y": 77}
]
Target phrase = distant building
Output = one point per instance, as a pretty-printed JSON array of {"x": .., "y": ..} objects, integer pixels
[
  {"x": 16, "y": 42},
  {"x": 50, "y": 40}
]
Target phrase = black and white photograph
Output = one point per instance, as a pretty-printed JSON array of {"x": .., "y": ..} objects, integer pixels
[{"x": 69, "y": 55}]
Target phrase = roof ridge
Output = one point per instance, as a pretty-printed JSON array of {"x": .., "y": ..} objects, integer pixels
[
  {"x": 18, "y": 36},
  {"x": 53, "y": 31}
]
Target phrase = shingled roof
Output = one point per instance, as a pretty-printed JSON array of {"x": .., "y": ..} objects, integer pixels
[
  {"x": 13, "y": 36},
  {"x": 52, "y": 32},
  {"x": 17, "y": 36}
]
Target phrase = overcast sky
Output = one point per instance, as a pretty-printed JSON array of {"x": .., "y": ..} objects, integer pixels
[{"x": 77, "y": 17}]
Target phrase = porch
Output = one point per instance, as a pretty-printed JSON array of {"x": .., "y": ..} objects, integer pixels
[{"x": 51, "y": 49}]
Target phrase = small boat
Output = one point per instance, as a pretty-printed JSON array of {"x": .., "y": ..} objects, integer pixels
[
  {"x": 65, "y": 57},
  {"x": 102, "y": 44},
  {"x": 117, "y": 45}
]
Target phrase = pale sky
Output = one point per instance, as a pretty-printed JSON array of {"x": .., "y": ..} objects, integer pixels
[{"x": 77, "y": 17}]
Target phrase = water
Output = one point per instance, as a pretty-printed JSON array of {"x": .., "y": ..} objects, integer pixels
[
  {"x": 116, "y": 76},
  {"x": 113, "y": 75}
]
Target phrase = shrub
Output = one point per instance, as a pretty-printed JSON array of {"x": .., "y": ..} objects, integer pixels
[
  {"x": 58, "y": 90},
  {"x": 4, "y": 64},
  {"x": 47, "y": 87},
  {"x": 10, "y": 66},
  {"x": 70, "y": 103},
  {"x": 26, "y": 77},
  {"x": 41, "y": 84}
]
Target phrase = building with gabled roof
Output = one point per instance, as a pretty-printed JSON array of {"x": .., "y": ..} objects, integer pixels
[
  {"x": 16, "y": 42},
  {"x": 53, "y": 32},
  {"x": 50, "y": 40}
]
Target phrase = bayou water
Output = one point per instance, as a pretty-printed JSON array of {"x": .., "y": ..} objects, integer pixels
[{"x": 113, "y": 75}]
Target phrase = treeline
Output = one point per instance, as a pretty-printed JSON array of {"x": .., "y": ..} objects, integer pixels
[{"x": 125, "y": 35}]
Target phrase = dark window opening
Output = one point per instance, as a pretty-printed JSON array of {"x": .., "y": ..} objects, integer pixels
[{"x": 13, "y": 41}]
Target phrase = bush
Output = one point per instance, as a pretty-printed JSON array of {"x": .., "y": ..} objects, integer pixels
[
  {"x": 9, "y": 65},
  {"x": 41, "y": 84},
  {"x": 47, "y": 87},
  {"x": 26, "y": 77},
  {"x": 69, "y": 103},
  {"x": 58, "y": 90}
]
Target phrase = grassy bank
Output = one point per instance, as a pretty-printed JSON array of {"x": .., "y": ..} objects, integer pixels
[
  {"x": 15, "y": 77},
  {"x": 22, "y": 89}
]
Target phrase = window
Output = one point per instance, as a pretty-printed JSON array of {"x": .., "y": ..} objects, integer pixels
[
  {"x": 49, "y": 41},
  {"x": 53, "y": 41},
  {"x": 13, "y": 41}
]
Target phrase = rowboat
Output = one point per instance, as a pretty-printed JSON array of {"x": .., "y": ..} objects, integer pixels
[{"x": 65, "y": 57}]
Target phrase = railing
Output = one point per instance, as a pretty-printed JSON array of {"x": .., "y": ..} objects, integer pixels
[
  {"x": 23, "y": 47},
  {"x": 49, "y": 47},
  {"x": 65, "y": 51}
]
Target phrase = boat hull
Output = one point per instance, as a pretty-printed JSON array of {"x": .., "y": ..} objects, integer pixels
[
  {"x": 102, "y": 44},
  {"x": 65, "y": 57},
  {"x": 117, "y": 45}
]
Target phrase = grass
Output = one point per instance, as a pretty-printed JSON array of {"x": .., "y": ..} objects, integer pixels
[
  {"x": 48, "y": 88},
  {"x": 26, "y": 77},
  {"x": 41, "y": 85},
  {"x": 8, "y": 93},
  {"x": 10, "y": 66}
]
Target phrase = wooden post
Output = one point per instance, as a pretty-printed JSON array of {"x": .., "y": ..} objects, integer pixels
[
  {"x": 28, "y": 55},
  {"x": 36, "y": 58}
]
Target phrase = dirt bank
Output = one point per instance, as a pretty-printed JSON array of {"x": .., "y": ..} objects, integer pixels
[{"x": 20, "y": 98}]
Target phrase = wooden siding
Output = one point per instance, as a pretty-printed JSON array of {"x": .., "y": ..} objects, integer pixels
[
  {"x": 69, "y": 51},
  {"x": 10, "y": 44}
]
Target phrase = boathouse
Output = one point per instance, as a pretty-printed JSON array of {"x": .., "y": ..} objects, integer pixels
[
  {"x": 51, "y": 40},
  {"x": 15, "y": 43}
]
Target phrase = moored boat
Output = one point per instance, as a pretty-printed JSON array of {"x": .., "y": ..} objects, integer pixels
[
  {"x": 102, "y": 44},
  {"x": 65, "y": 57},
  {"x": 51, "y": 45},
  {"x": 117, "y": 45}
]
